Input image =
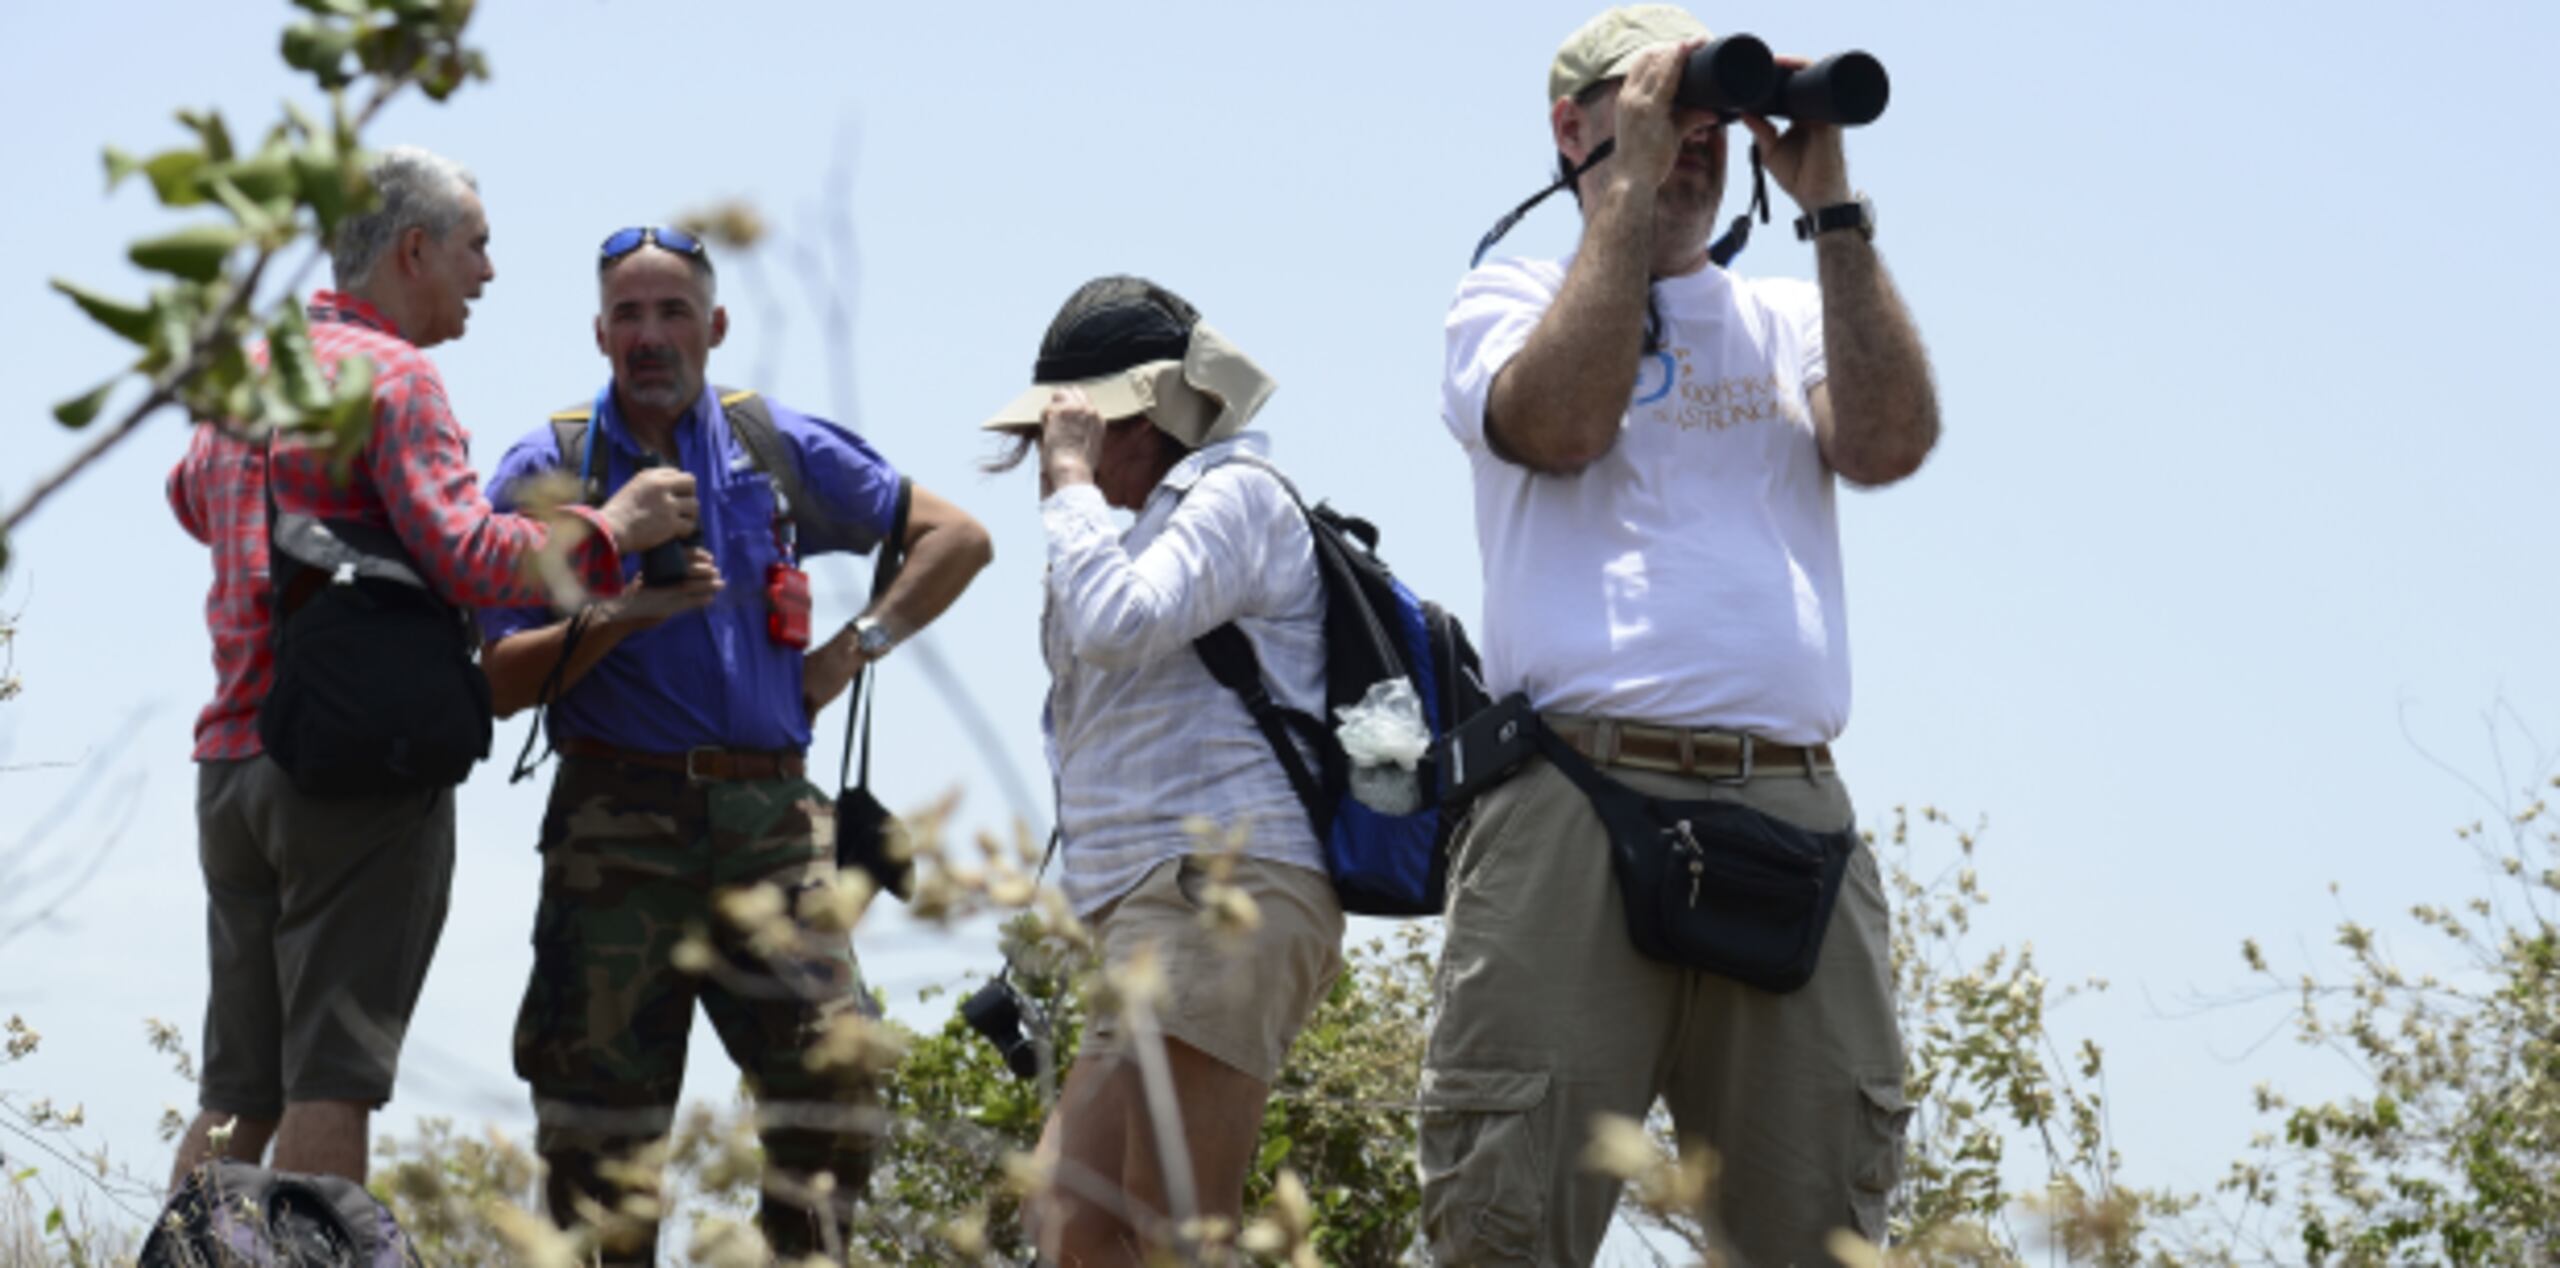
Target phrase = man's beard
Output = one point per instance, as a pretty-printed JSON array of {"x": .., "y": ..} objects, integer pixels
[{"x": 666, "y": 395}]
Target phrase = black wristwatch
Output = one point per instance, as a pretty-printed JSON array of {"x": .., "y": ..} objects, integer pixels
[{"x": 1859, "y": 215}]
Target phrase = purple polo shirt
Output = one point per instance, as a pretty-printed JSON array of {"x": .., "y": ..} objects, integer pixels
[{"x": 712, "y": 677}]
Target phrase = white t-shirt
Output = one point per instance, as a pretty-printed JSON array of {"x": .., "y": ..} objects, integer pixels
[{"x": 1691, "y": 576}]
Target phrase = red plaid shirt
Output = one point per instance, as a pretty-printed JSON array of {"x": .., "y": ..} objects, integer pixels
[{"x": 414, "y": 476}]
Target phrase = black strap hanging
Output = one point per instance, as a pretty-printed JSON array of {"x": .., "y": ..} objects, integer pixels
[
  {"x": 857, "y": 714},
  {"x": 1738, "y": 234},
  {"x": 1722, "y": 250},
  {"x": 1512, "y": 219}
]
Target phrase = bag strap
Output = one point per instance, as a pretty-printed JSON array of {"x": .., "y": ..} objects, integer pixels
[
  {"x": 1227, "y": 653},
  {"x": 884, "y": 570},
  {"x": 1229, "y": 657},
  {"x": 750, "y": 419}
]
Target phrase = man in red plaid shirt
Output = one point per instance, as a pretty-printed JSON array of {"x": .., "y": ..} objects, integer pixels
[{"x": 323, "y": 915}]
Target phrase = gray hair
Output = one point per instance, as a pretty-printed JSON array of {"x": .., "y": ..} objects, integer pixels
[{"x": 419, "y": 189}]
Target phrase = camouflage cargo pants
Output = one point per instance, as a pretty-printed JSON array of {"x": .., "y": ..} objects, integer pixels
[{"x": 638, "y": 863}]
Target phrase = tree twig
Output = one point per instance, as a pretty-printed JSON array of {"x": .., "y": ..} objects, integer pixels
[{"x": 164, "y": 390}]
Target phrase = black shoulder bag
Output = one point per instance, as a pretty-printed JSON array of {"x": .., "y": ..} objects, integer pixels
[
  {"x": 864, "y": 828},
  {"x": 376, "y": 690},
  {"x": 1715, "y": 885}
]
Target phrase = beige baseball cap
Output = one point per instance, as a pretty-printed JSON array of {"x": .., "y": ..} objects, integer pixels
[{"x": 1608, "y": 44}]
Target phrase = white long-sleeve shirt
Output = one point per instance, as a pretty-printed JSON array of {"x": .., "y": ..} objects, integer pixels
[{"x": 1140, "y": 737}]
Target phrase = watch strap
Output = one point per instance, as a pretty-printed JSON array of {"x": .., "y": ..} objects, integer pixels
[{"x": 1856, "y": 214}]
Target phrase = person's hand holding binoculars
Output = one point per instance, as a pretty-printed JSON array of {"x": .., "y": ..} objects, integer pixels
[
  {"x": 1807, "y": 160},
  {"x": 639, "y": 607},
  {"x": 656, "y": 505},
  {"x": 1652, "y": 126}
]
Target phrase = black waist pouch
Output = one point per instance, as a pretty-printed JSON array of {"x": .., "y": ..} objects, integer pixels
[
  {"x": 1712, "y": 884},
  {"x": 375, "y": 692}
]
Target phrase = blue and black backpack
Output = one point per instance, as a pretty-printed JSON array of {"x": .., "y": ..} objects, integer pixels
[{"x": 1375, "y": 630}]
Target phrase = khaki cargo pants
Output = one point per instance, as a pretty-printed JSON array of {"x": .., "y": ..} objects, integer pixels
[{"x": 1549, "y": 1016}]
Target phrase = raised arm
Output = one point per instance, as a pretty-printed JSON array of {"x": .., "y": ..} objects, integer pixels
[
  {"x": 1558, "y": 404},
  {"x": 1876, "y": 414}
]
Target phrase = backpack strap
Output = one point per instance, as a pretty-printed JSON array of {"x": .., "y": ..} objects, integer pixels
[
  {"x": 1230, "y": 659},
  {"x": 1227, "y": 653},
  {"x": 569, "y": 430},
  {"x": 750, "y": 419}
]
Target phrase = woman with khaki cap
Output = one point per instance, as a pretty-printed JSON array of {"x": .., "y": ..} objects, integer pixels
[{"x": 1141, "y": 406}]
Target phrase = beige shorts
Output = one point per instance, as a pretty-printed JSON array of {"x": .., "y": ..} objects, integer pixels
[{"x": 1238, "y": 999}]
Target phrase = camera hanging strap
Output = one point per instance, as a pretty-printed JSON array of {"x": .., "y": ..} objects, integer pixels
[
  {"x": 527, "y": 761},
  {"x": 893, "y": 557}
]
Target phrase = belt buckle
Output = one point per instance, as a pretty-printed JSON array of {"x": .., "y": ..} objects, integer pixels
[
  {"x": 693, "y": 775},
  {"x": 1744, "y": 775}
]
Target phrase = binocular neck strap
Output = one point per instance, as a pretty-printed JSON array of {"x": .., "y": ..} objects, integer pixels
[
  {"x": 1722, "y": 250},
  {"x": 1738, "y": 234},
  {"x": 1512, "y": 219}
]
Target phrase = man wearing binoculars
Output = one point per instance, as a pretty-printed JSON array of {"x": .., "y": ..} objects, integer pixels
[
  {"x": 681, "y": 711},
  {"x": 1655, "y": 443}
]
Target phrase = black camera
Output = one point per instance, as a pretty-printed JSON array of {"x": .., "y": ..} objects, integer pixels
[
  {"x": 666, "y": 563},
  {"x": 997, "y": 1012},
  {"x": 1737, "y": 75}
]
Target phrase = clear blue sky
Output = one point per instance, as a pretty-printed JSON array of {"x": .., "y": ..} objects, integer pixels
[{"x": 2234, "y": 310}]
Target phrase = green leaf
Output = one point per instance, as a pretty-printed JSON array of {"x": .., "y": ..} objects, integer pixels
[
  {"x": 322, "y": 177},
  {"x": 264, "y": 177},
  {"x": 350, "y": 417},
  {"x": 256, "y": 221},
  {"x": 53, "y": 1221},
  {"x": 321, "y": 50},
  {"x": 119, "y": 166},
  {"x": 79, "y": 410},
  {"x": 195, "y": 253},
  {"x": 173, "y": 176},
  {"x": 127, "y": 320},
  {"x": 174, "y": 311},
  {"x": 295, "y": 368},
  {"x": 216, "y": 134}
]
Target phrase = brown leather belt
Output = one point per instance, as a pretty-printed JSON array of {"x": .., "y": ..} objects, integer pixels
[
  {"x": 1681, "y": 751},
  {"x": 698, "y": 765}
]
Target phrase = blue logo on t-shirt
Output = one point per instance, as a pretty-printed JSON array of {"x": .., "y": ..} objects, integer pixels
[{"x": 1670, "y": 371}]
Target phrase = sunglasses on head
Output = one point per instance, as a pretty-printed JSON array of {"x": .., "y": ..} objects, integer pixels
[{"x": 625, "y": 241}]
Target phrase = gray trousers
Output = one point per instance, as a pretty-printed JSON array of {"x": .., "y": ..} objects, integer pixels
[
  {"x": 1549, "y": 1016},
  {"x": 320, "y": 919}
]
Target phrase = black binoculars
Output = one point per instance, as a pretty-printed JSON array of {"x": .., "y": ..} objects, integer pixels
[
  {"x": 1736, "y": 75},
  {"x": 666, "y": 563},
  {"x": 996, "y": 1012}
]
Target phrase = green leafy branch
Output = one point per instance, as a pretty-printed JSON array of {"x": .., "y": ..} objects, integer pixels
[{"x": 194, "y": 333}]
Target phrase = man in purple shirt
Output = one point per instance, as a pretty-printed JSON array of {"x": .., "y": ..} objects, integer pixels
[{"x": 681, "y": 712}]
